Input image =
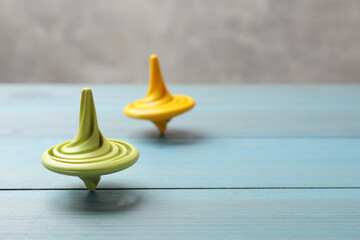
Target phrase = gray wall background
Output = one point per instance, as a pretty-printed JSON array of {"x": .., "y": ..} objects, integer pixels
[{"x": 197, "y": 41}]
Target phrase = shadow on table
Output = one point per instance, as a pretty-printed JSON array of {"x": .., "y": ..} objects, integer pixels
[
  {"x": 101, "y": 201},
  {"x": 174, "y": 136}
]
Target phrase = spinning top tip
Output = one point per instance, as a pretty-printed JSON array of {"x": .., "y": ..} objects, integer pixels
[
  {"x": 161, "y": 125},
  {"x": 91, "y": 182}
]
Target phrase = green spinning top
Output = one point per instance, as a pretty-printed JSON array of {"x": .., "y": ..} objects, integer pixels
[{"x": 89, "y": 155}]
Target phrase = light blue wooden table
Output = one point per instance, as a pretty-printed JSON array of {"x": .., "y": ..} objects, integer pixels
[{"x": 249, "y": 162}]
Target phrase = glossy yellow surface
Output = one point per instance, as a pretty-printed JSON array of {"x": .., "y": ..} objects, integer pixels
[
  {"x": 159, "y": 105},
  {"x": 89, "y": 155}
]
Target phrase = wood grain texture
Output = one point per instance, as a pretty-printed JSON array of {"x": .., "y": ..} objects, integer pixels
[
  {"x": 60, "y": 98},
  {"x": 180, "y": 214},
  {"x": 259, "y": 137},
  {"x": 51, "y": 111},
  {"x": 179, "y": 163},
  {"x": 242, "y": 136}
]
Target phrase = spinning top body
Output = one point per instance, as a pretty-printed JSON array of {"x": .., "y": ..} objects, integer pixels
[
  {"x": 159, "y": 105},
  {"x": 89, "y": 155}
]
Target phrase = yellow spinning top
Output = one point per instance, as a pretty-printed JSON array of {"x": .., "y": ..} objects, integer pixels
[
  {"x": 89, "y": 155},
  {"x": 159, "y": 105}
]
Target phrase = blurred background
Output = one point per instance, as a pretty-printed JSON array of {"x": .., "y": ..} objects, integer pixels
[{"x": 197, "y": 41}]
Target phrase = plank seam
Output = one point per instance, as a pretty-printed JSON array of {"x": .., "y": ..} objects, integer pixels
[{"x": 179, "y": 188}]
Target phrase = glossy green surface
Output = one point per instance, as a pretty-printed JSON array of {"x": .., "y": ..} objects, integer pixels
[{"x": 89, "y": 155}]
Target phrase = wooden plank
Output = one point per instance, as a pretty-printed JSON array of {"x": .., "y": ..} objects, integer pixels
[
  {"x": 213, "y": 124},
  {"x": 208, "y": 97},
  {"x": 47, "y": 111},
  {"x": 202, "y": 162},
  {"x": 181, "y": 214},
  {"x": 259, "y": 144}
]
